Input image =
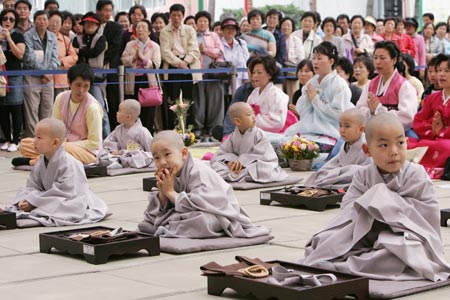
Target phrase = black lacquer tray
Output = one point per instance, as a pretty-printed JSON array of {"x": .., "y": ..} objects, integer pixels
[
  {"x": 7, "y": 220},
  {"x": 148, "y": 183},
  {"x": 96, "y": 252},
  {"x": 317, "y": 203},
  {"x": 346, "y": 285}
]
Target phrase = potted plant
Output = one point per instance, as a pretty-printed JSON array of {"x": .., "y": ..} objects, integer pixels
[{"x": 300, "y": 152}]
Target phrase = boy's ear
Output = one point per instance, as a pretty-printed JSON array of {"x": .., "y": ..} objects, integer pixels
[
  {"x": 184, "y": 152},
  {"x": 365, "y": 149},
  {"x": 237, "y": 121},
  {"x": 56, "y": 142}
]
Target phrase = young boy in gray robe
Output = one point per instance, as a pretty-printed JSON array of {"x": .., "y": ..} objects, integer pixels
[
  {"x": 193, "y": 201},
  {"x": 247, "y": 154},
  {"x": 57, "y": 191},
  {"x": 338, "y": 172},
  {"x": 129, "y": 144},
  {"x": 388, "y": 227}
]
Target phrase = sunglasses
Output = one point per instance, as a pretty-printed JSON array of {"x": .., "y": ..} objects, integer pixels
[{"x": 8, "y": 19}]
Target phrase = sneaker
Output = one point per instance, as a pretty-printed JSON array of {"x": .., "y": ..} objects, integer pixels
[
  {"x": 13, "y": 148},
  {"x": 21, "y": 161},
  {"x": 5, "y": 146}
]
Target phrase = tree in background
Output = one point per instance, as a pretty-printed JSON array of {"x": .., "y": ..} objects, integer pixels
[{"x": 288, "y": 11}]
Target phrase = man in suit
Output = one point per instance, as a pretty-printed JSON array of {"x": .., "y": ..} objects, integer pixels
[
  {"x": 179, "y": 50},
  {"x": 113, "y": 33}
]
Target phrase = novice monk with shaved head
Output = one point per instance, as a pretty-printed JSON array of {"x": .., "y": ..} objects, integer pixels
[
  {"x": 247, "y": 154},
  {"x": 57, "y": 192},
  {"x": 339, "y": 171},
  {"x": 388, "y": 227},
  {"x": 193, "y": 201},
  {"x": 129, "y": 144}
]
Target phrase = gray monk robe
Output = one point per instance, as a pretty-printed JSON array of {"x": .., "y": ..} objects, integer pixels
[
  {"x": 339, "y": 171},
  {"x": 60, "y": 193},
  {"x": 133, "y": 145},
  {"x": 254, "y": 151},
  {"x": 205, "y": 208},
  {"x": 388, "y": 228}
]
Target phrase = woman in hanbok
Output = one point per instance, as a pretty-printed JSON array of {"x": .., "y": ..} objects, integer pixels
[
  {"x": 269, "y": 102},
  {"x": 323, "y": 99},
  {"x": 389, "y": 91},
  {"x": 432, "y": 123}
]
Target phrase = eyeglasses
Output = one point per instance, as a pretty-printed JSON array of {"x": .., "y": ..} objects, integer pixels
[{"x": 8, "y": 19}]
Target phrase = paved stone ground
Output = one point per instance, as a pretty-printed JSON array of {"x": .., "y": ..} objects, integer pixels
[{"x": 25, "y": 273}]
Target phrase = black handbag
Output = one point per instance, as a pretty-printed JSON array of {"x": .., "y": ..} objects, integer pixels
[{"x": 219, "y": 65}]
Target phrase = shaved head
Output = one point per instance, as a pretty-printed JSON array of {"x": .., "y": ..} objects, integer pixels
[
  {"x": 132, "y": 107},
  {"x": 169, "y": 136},
  {"x": 237, "y": 108},
  {"x": 355, "y": 114},
  {"x": 55, "y": 128},
  {"x": 384, "y": 119}
]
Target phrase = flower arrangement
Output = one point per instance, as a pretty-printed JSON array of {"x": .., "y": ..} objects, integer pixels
[
  {"x": 180, "y": 108},
  {"x": 299, "y": 148}
]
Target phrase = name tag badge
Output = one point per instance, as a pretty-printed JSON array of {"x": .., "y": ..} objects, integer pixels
[
  {"x": 88, "y": 249},
  {"x": 132, "y": 146}
]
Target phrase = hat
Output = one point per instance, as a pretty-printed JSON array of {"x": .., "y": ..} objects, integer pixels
[
  {"x": 229, "y": 22},
  {"x": 371, "y": 20},
  {"x": 411, "y": 21},
  {"x": 90, "y": 17}
]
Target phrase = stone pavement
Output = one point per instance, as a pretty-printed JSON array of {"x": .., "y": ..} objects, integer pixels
[{"x": 25, "y": 273}]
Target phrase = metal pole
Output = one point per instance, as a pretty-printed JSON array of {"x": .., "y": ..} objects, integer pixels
[{"x": 121, "y": 71}]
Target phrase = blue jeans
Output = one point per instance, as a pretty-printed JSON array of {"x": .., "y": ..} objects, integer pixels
[{"x": 97, "y": 93}]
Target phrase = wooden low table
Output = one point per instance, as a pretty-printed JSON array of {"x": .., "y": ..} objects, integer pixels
[
  {"x": 8, "y": 220},
  {"x": 148, "y": 184},
  {"x": 260, "y": 288},
  {"x": 96, "y": 171},
  {"x": 281, "y": 196},
  {"x": 445, "y": 215},
  {"x": 98, "y": 253}
]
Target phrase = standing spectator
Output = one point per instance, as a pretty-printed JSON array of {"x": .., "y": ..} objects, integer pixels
[
  {"x": 159, "y": 21},
  {"x": 91, "y": 48},
  {"x": 208, "y": 96},
  {"x": 11, "y": 104},
  {"x": 190, "y": 21},
  {"x": 370, "y": 24},
  {"x": 23, "y": 8},
  {"x": 431, "y": 41},
  {"x": 380, "y": 26},
  {"x": 356, "y": 41},
  {"x": 50, "y": 5},
  {"x": 273, "y": 19},
  {"x": 428, "y": 18},
  {"x": 390, "y": 24},
  {"x": 8, "y": 4},
  {"x": 113, "y": 34},
  {"x": 329, "y": 27},
  {"x": 77, "y": 28},
  {"x": 234, "y": 49},
  {"x": 136, "y": 14},
  {"x": 259, "y": 41},
  {"x": 179, "y": 50},
  {"x": 142, "y": 53},
  {"x": 66, "y": 28},
  {"x": 41, "y": 54},
  {"x": 66, "y": 54},
  {"x": 407, "y": 41},
  {"x": 344, "y": 21},
  {"x": 294, "y": 54},
  {"x": 307, "y": 34},
  {"x": 123, "y": 19},
  {"x": 419, "y": 43},
  {"x": 444, "y": 44},
  {"x": 408, "y": 72},
  {"x": 244, "y": 26}
]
